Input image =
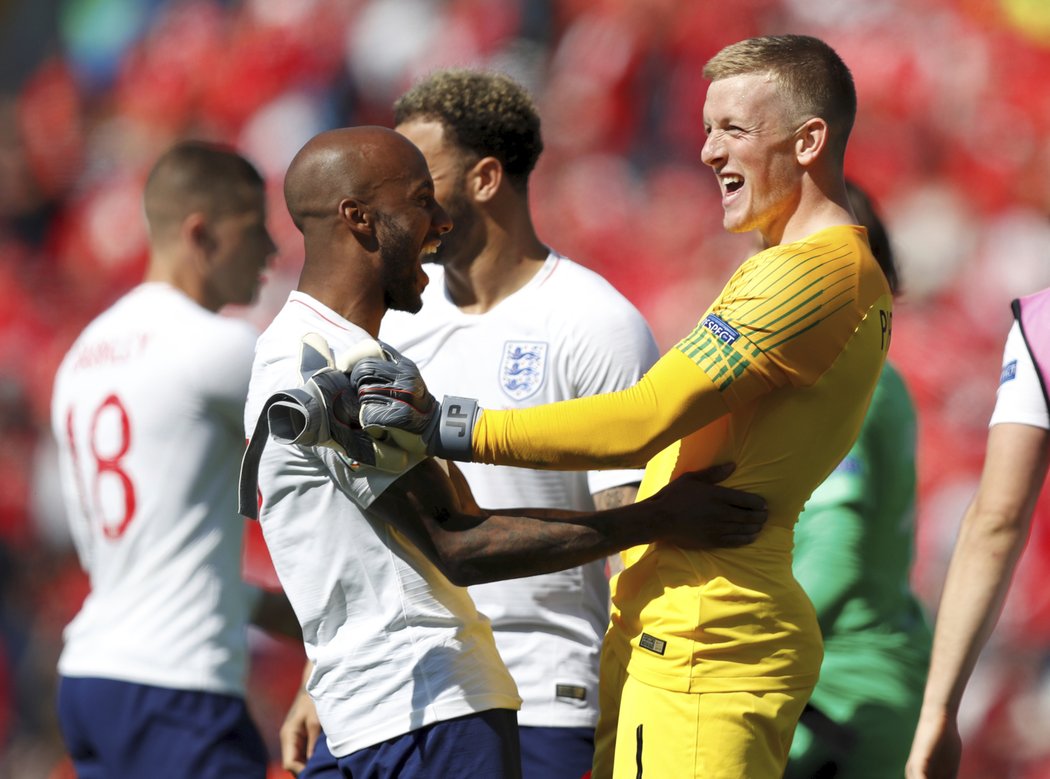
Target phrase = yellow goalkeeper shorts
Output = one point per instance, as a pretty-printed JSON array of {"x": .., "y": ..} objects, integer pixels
[{"x": 646, "y": 731}]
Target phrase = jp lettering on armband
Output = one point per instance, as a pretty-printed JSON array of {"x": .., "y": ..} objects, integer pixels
[{"x": 456, "y": 428}]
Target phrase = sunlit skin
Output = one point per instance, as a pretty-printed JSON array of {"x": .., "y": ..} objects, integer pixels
[
  {"x": 751, "y": 146},
  {"x": 448, "y": 167},
  {"x": 402, "y": 272},
  {"x": 364, "y": 201},
  {"x": 445, "y": 164},
  {"x": 408, "y": 216},
  {"x": 493, "y": 250}
]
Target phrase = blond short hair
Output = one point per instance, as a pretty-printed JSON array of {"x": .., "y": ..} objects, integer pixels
[{"x": 811, "y": 75}]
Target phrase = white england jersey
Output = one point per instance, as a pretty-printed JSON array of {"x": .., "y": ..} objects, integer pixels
[
  {"x": 567, "y": 333},
  {"x": 147, "y": 413},
  {"x": 1020, "y": 397},
  {"x": 395, "y": 645}
]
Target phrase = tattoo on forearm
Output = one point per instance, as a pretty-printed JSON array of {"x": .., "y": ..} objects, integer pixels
[{"x": 615, "y": 497}]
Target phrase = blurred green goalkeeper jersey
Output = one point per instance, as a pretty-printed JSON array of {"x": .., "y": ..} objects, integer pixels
[{"x": 853, "y": 554}]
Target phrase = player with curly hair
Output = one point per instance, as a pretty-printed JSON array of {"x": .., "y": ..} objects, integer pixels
[{"x": 500, "y": 319}]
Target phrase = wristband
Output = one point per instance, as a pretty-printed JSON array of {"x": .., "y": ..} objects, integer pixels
[{"x": 453, "y": 439}]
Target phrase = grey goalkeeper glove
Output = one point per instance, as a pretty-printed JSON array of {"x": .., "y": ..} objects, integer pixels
[
  {"x": 396, "y": 404},
  {"x": 323, "y": 412}
]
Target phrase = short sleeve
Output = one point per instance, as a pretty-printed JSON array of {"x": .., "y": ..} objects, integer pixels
[
  {"x": 223, "y": 368},
  {"x": 1020, "y": 395}
]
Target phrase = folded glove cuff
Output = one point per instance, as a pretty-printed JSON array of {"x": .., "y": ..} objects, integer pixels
[
  {"x": 297, "y": 417},
  {"x": 455, "y": 429},
  {"x": 293, "y": 416}
]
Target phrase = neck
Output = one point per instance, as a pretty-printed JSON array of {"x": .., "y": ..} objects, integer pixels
[
  {"x": 347, "y": 287},
  {"x": 820, "y": 206},
  {"x": 355, "y": 310},
  {"x": 511, "y": 255},
  {"x": 178, "y": 273}
]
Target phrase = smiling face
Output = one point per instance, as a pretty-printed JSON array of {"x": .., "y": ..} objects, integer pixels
[
  {"x": 448, "y": 166},
  {"x": 409, "y": 224},
  {"x": 751, "y": 148},
  {"x": 403, "y": 277}
]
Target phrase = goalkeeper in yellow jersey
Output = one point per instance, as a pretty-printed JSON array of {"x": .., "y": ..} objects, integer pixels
[{"x": 711, "y": 655}]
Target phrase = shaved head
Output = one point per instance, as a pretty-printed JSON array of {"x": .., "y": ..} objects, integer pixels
[
  {"x": 350, "y": 162},
  {"x": 196, "y": 176},
  {"x": 205, "y": 206},
  {"x": 363, "y": 198}
]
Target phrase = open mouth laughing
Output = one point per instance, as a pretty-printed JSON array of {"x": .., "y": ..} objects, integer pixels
[
  {"x": 429, "y": 249},
  {"x": 730, "y": 183}
]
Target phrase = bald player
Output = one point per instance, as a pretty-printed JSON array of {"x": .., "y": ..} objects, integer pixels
[
  {"x": 147, "y": 410},
  {"x": 405, "y": 673},
  {"x": 500, "y": 318}
]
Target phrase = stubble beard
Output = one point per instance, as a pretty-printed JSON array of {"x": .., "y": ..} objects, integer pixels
[{"x": 398, "y": 256}]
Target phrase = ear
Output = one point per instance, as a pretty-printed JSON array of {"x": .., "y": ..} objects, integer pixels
[
  {"x": 484, "y": 179},
  {"x": 196, "y": 233},
  {"x": 357, "y": 216},
  {"x": 810, "y": 141}
]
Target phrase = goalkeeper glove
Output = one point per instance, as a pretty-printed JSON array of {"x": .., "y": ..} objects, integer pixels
[
  {"x": 322, "y": 412},
  {"x": 395, "y": 401}
]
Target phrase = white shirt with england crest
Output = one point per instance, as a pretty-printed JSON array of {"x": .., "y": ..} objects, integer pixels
[{"x": 567, "y": 333}]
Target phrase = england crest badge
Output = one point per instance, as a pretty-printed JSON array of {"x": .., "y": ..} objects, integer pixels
[{"x": 523, "y": 368}]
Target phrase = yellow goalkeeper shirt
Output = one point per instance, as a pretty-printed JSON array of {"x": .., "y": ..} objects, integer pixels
[{"x": 776, "y": 377}]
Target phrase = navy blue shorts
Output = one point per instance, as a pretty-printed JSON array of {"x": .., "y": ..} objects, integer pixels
[
  {"x": 482, "y": 746},
  {"x": 556, "y": 753},
  {"x": 115, "y": 730},
  {"x": 322, "y": 764}
]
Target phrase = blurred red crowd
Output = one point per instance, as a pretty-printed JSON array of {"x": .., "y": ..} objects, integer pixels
[{"x": 952, "y": 140}]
